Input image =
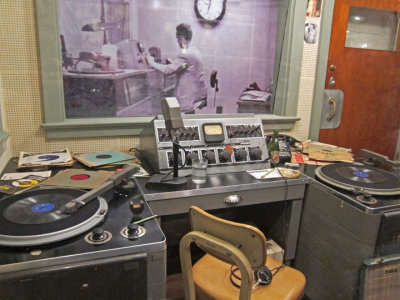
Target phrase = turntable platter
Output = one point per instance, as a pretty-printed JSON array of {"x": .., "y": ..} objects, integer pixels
[
  {"x": 37, "y": 217},
  {"x": 37, "y": 209},
  {"x": 359, "y": 178}
]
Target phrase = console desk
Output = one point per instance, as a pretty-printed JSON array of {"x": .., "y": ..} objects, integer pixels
[{"x": 214, "y": 195}]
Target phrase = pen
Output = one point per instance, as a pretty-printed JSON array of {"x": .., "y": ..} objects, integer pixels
[
  {"x": 266, "y": 174},
  {"x": 145, "y": 219}
]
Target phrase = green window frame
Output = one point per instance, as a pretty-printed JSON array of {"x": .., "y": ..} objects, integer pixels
[{"x": 287, "y": 77}]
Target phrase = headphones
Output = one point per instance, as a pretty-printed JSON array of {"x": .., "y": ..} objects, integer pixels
[{"x": 263, "y": 275}]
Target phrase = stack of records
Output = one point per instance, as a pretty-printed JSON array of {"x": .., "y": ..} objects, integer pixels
[{"x": 62, "y": 158}]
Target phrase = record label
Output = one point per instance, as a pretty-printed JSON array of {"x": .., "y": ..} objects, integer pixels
[
  {"x": 48, "y": 157},
  {"x": 104, "y": 156},
  {"x": 360, "y": 174},
  {"x": 42, "y": 207},
  {"x": 25, "y": 182},
  {"x": 80, "y": 177}
]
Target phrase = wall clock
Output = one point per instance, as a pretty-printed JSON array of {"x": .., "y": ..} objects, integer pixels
[{"x": 210, "y": 10}]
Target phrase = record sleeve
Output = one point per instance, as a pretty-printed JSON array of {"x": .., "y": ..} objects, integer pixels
[
  {"x": 60, "y": 158},
  {"x": 79, "y": 178},
  {"x": 102, "y": 158},
  {"x": 15, "y": 186}
]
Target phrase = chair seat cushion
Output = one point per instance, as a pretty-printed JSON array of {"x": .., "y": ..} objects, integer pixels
[{"x": 212, "y": 281}]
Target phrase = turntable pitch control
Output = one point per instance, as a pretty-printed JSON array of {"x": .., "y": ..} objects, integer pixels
[
  {"x": 133, "y": 231},
  {"x": 98, "y": 236}
]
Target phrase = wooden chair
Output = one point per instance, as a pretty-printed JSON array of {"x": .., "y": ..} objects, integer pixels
[{"x": 228, "y": 243}]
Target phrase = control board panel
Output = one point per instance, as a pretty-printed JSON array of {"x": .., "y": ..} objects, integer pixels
[{"x": 229, "y": 143}]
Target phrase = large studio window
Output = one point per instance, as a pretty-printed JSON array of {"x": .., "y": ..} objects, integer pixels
[{"x": 95, "y": 73}]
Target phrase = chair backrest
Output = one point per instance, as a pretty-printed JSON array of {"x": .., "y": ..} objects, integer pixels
[{"x": 248, "y": 239}]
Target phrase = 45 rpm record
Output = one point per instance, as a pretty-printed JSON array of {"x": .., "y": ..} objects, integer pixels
[
  {"x": 37, "y": 217},
  {"x": 39, "y": 209},
  {"x": 359, "y": 178}
]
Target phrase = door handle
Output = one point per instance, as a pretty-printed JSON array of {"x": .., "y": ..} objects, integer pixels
[{"x": 333, "y": 113}]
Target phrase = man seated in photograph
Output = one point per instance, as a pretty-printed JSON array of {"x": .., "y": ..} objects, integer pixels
[{"x": 190, "y": 89}]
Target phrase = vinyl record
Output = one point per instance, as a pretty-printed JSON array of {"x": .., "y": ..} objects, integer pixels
[
  {"x": 359, "y": 178},
  {"x": 360, "y": 174},
  {"x": 37, "y": 217},
  {"x": 41, "y": 209}
]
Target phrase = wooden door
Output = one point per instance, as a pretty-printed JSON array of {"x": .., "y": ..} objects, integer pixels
[{"x": 370, "y": 80}]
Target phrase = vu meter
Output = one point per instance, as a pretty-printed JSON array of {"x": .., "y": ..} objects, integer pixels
[{"x": 213, "y": 133}]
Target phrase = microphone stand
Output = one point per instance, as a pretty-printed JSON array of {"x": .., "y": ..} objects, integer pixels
[
  {"x": 175, "y": 152},
  {"x": 165, "y": 181}
]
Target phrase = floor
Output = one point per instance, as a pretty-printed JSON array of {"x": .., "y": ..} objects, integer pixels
[{"x": 175, "y": 287}]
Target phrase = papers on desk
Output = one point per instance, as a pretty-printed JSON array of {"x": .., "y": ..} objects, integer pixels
[
  {"x": 274, "y": 173},
  {"x": 265, "y": 174},
  {"x": 253, "y": 95}
]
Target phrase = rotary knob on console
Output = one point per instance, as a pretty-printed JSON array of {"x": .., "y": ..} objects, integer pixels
[
  {"x": 210, "y": 156},
  {"x": 98, "y": 236},
  {"x": 133, "y": 230},
  {"x": 241, "y": 155},
  {"x": 256, "y": 154},
  {"x": 225, "y": 156},
  {"x": 190, "y": 156}
]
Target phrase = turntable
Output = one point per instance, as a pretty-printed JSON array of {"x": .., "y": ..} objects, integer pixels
[
  {"x": 93, "y": 252},
  {"x": 351, "y": 212},
  {"x": 370, "y": 188},
  {"x": 361, "y": 180}
]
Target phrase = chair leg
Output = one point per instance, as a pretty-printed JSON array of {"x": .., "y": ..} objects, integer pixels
[{"x": 186, "y": 265}]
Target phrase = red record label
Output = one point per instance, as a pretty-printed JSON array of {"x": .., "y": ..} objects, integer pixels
[{"x": 80, "y": 177}]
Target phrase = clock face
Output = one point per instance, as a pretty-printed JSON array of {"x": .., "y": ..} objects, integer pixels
[{"x": 210, "y": 10}]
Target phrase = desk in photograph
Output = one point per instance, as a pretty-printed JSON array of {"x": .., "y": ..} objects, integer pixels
[
  {"x": 210, "y": 196},
  {"x": 94, "y": 94}
]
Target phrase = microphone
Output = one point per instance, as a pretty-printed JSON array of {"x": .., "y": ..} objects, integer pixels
[
  {"x": 214, "y": 80},
  {"x": 173, "y": 120},
  {"x": 172, "y": 113}
]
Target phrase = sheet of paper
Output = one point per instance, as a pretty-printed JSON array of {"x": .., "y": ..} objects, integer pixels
[
  {"x": 142, "y": 173},
  {"x": 265, "y": 173},
  {"x": 13, "y": 176}
]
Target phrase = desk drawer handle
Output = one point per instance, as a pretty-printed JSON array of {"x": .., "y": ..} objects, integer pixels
[{"x": 233, "y": 199}]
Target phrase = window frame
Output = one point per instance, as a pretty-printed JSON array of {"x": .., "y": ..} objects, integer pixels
[{"x": 287, "y": 78}]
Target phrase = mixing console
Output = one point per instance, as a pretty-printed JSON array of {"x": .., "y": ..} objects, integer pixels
[{"x": 229, "y": 143}]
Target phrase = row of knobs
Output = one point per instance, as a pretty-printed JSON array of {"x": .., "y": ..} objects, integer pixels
[
  {"x": 184, "y": 134},
  {"x": 224, "y": 156},
  {"x": 239, "y": 154},
  {"x": 243, "y": 131}
]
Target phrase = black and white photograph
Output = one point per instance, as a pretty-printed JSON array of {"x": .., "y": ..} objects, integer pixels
[{"x": 120, "y": 58}]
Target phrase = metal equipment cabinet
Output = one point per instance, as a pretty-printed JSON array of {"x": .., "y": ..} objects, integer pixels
[{"x": 334, "y": 238}]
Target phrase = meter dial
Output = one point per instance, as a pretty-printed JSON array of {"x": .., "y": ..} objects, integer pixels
[{"x": 213, "y": 133}]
